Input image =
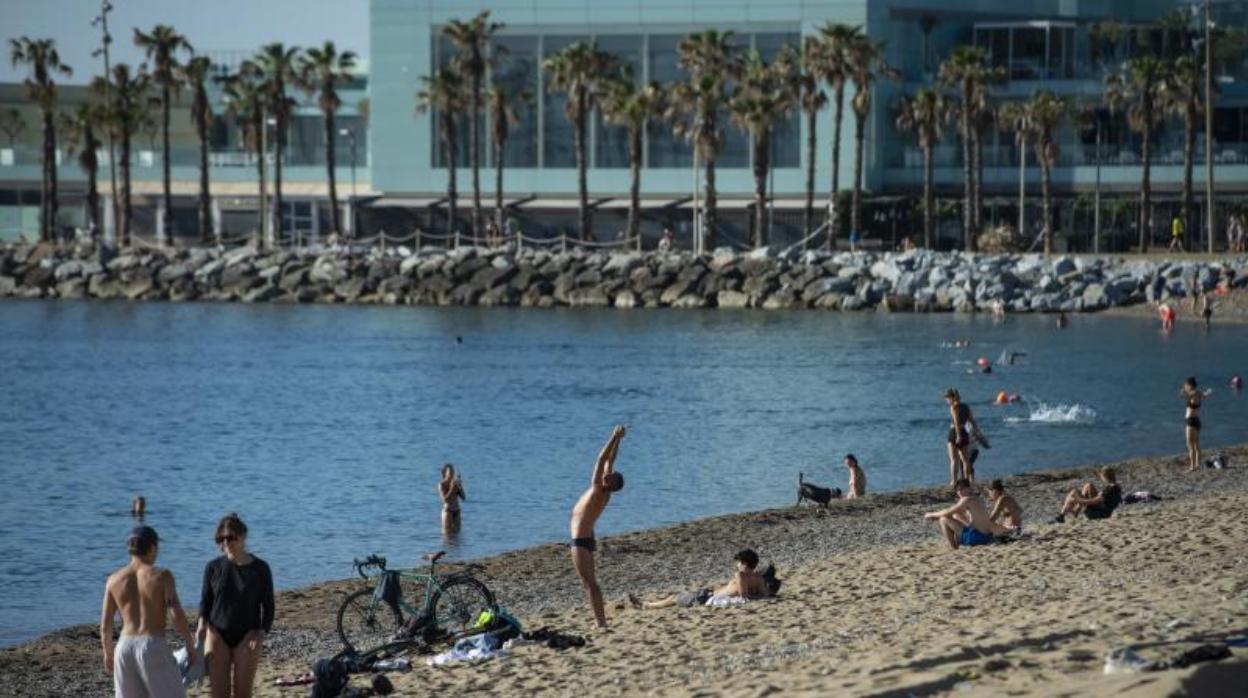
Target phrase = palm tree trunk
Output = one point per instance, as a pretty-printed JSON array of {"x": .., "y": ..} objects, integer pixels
[
  {"x": 837, "y": 118},
  {"x": 582, "y": 183},
  {"x": 977, "y": 187},
  {"x": 1145, "y": 183},
  {"x": 279, "y": 151},
  {"x": 855, "y": 225},
  {"x": 968, "y": 176},
  {"x": 127, "y": 209},
  {"x": 500, "y": 146},
  {"x": 49, "y": 168},
  {"x": 452, "y": 193},
  {"x": 1047, "y": 207},
  {"x": 331, "y": 165},
  {"x": 166, "y": 223},
  {"x": 710, "y": 213},
  {"x": 1189, "y": 151},
  {"x": 808, "y": 220},
  {"x": 634, "y": 186},
  {"x": 927, "y": 196},
  {"x": 761, "y": 145},
  {"x": 262, "y": 211},
  {"x": 1022, "y": 187},
  {"x": 93, "y": 189},
  {"x": 205, "y": 196},
  {"x": 474, "y": 145}
]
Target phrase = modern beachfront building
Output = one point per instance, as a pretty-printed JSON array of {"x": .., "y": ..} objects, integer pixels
[{"x": 401, "y": 176}]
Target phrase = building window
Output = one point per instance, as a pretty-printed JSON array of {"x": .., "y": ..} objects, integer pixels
[
  {"x": 297, "y": 217},
  {"x": 665, "y": 149},
  {"x": 558, "y": 136},
  {"x": 610, "y": 140},
  {"x": 517, "y": 71}
]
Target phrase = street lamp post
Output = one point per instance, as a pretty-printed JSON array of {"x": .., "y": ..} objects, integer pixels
[
  {"x": 101, "y": 20},
  {"x": 350, "y": 134},
  {"x": 1209, "y": 215},
  {"x": 265, "y": 122}
]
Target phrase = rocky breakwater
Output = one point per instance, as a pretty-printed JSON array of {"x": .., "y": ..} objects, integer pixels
[{"x": 910, "y": 281}]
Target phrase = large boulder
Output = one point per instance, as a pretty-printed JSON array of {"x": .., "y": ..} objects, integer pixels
[
  {"x": 623, "y": 264},
  {"x": 732, "y": 299},
  {"x": 68, "y": 270},
  {"x": 264, "y": 294},
  {"x": 136, "y": 288},
  {"x": 625, "y": 299},
  {"x": 8, "y": 285},
  {"x": 591, "y": 297},
  {"x": 72, "y": 288}
]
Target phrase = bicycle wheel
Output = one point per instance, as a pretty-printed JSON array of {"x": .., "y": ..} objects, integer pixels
[
  {"x": 364, "y": 622},
  {"x": 458, "y": 602}
]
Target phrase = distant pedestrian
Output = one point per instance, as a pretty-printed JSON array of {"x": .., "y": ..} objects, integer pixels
[
  {"x": 668, "y": 241},
  {"x": 1176, "y": 234}
]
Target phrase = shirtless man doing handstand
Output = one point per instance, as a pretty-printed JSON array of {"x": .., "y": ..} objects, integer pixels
[
  {"x": 142, "y": 663},
  {"x": 967, "y": 522},
  {"x": 585, "y": 514}
]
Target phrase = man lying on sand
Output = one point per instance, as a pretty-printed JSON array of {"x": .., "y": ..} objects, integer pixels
[
  {"x": 746, "y": 584},
  {"x": 585, "y": 514},
  {"x": 967, "y": 522},
  {"x": 1091, "y": 503},
  {"x": 1004, "y": 505}
]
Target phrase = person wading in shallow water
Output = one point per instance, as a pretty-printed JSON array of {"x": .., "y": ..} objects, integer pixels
[
  {"x": 960, "y": 432},
  {"x": 451, "y": 490},
  {"x": 1193, "y": 397},
  {"x": 585, "y": 514}
]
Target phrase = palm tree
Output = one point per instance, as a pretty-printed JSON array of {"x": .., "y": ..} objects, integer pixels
[
  {"x": 125, "y": 116},
  {"x": 472, "y": 38},
  {"x": 696, "y": 106},
  {"x": 1015, "y": 117},
  {"x": 580, "y": 70},
  {"x": 1182, "y": 95},
  {"x": 1139, "y": 89},
  {"x": 837, "y": 40},
  {"x": 277, "y": 63},
  {"x": 443, "y": 94},
  {"x": 322, "y": 70},
  {"x": 245, "y": 98},
  {"x": 11, "y": 123},
  {"x": 926, "y": 115},
  {"x": 80, "y": 127},
  {"x": 194, "y": 75},
  {"x": 762, "y": 96},
  {"x": 1090, "y": 117},
  {"x": 45, "y": 63},
  {"x": 633, "y": 106},
  {"x": 1045, "y": 112},
  {"x": 813, "y": 99},
  {"x": 504, "y": 107},
  {"x": 161, "y": 46},
  {"x": 967, "y": 69},
  {"x": 865, "y": 63}
]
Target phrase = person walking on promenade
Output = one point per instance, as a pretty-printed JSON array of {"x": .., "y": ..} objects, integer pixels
[
  {"x": 585, "y": 514},
  {"x": 1176, "y": 235},
  {"x": 1192, "y": 397},
  {"x": 235, "y": 612},
  {"x": 962, "y": 429},
  {"x": 451, "y": 490},
  {"x": 141, "y": 663}
]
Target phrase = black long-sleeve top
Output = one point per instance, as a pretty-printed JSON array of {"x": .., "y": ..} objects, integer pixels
[{"x": 237, "y": 598}]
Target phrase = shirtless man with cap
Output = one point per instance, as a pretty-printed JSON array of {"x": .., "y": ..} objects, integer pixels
[
  {"x": 585, "y": 514},
  {"x": 142, "y": 663}
]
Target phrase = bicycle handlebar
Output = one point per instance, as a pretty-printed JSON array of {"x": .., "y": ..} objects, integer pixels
[{"x": 370, "y": 561}]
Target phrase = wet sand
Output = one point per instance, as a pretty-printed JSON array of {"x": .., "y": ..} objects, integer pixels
[{"x": 873, "y": 603}]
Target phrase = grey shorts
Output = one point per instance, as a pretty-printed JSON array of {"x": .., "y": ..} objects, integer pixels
[
  {"x": 144, "y": 667},
  {"x": 693, "y": 598}
]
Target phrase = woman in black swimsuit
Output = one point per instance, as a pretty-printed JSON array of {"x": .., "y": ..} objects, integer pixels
[
  {"x": 235, "y": 612},
  {"x": 960, "y": 465},
  {"x": 1191, "y": 421}
]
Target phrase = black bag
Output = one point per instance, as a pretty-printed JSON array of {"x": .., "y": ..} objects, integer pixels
[
  {"x": 389, "y": 591},
  {"x": 330, "y": 678},
  {"x": 770, "y": 581}
]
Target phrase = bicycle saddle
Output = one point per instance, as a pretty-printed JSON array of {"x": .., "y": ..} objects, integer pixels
[{"x": 434, "y": 557}]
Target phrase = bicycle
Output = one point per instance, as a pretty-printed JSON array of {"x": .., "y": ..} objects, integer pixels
[{"x": 386, "y": 612}]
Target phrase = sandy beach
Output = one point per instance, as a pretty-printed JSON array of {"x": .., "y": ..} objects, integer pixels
[{"x": 873, "y": 604}]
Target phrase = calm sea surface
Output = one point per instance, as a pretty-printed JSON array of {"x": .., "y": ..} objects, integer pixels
[{"x": 324, "y": 426}]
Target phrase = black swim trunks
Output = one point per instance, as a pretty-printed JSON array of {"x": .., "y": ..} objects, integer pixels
[
  {"x": 1193, "y": 423},
  {"x": 959, "y": 437},
  {"x": 588, "y": 543}
]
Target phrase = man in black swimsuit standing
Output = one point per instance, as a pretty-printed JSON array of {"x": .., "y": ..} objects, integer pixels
[{"x": 585, "y": 514}]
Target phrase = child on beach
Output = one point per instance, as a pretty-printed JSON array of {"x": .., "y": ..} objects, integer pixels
[
  {"x": 1004, "y": 505},
  {"x": 746, "y": 584},
  {"x": 1091, "y": 503},
  {"x": 967, "y": 522},
  {"x": 141, "y": 662},
  {"x": 585, "y": 514}
]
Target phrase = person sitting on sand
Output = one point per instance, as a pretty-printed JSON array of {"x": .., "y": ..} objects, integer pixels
[
  {"x": 1004, "y": 505},
  {"x": 1091, "y": 503},
  {"x": 585, "y": 514},
  {"x": 967, "y": 522},
  {"x": 746, "y": 583},
  {"x": 857, "y": 479},
  {"x": 141, "y": 662}
]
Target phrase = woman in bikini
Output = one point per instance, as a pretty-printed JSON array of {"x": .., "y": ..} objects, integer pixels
[
  {"x": 451, "y": 490},
  {"x": 963, "y": 426},
  {"x": 235, "y": 612},
  {"x": 1192, "y": 396}
]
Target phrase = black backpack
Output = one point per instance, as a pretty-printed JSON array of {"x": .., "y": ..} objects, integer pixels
[
  {"x": 770, "y": 581},
  {"x": 330, "y": 678}
]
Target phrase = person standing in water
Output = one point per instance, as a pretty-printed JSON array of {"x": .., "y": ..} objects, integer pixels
[
  {"x": 960, "y": 432},
  {"x": 141, "y": 662},
  {"x": 451, "y": 490},
  {"x": 1192, "y": 397},
  {"x": 585, "y": 514}
]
